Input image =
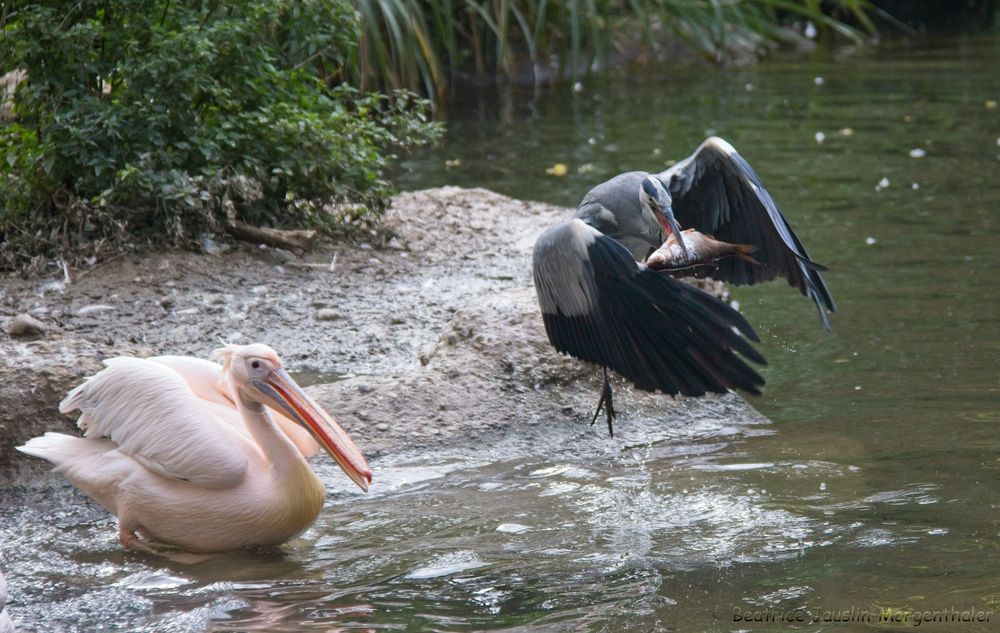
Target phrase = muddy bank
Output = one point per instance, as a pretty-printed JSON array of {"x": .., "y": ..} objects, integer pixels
[
  {"x": 33, "y": 378},
  {"x": 439, "y": 334},
  {"x": 492, "y": 372}
]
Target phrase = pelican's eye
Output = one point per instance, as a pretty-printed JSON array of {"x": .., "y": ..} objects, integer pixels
[{"x": 258, "y": 367}]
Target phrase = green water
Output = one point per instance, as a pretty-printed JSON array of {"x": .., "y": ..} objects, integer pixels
[
  {"x": 907, "y": 388},
  {"x": 876, "y": 486}
]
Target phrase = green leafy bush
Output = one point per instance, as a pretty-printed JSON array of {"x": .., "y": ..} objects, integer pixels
[{"x": 155, "y": 121}]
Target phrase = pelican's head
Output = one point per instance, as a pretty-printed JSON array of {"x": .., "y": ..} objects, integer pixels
[
  {"x": 654, "y": 198},
  {"x": 257, "y": 375}
]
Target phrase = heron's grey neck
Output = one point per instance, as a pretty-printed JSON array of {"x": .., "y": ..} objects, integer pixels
[{"x": 652, "y": 225}]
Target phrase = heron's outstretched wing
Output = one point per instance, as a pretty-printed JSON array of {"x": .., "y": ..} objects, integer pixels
[
  {"x": 150, "y": 413},
  {"x": 717, "y": 192},
  {"x": 603, "y": 307}
]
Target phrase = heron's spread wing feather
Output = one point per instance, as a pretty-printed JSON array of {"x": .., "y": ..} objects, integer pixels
[
  {"x": 717, "y": 192},
  {"x": 150, "y": 413},
  {"x": 660, "y": 333},
  {"x": 557, "y": 258}
]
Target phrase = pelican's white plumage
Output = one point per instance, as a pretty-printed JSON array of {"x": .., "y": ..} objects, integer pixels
[
  {"x": 152, "y": 416},
  {"x": 194, "y": 455},
  {"x": 6, "y": 625}
]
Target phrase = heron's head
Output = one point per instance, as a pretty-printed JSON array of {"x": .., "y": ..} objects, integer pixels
[
  {"x": 257, "y": 375},
  {"x": 654, "y": 198}
]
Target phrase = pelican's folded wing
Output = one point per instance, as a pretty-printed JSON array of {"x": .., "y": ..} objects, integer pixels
[
  {"x": 203, "y": 377},
  {"x": 601, "y": 306},
  {"x": 717, "y": 192},
  {"x": 206, "y": 380},
  {"x": 151, "y": 414}
]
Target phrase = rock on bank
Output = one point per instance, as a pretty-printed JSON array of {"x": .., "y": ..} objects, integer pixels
[{"x": 440, "y": 333}]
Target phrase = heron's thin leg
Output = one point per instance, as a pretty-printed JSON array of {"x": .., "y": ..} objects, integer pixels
[{"x": 606, "y": 404}]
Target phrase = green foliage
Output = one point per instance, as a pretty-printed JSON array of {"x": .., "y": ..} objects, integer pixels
[
  {"x": 159, "y": 120},
  {"x": 423, "y": 44}
]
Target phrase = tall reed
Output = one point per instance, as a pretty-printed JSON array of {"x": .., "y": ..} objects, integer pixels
[{"x": 424, "y": 45}]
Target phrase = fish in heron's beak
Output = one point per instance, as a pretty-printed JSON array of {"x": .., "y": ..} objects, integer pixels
[
  {"x": 702, "y": 250},
  {"x": 286, "y": 396}
]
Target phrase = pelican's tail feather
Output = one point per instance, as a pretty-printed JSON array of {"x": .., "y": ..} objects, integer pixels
[
  {"x": 92, "y": 465},
  {"x": 58, "y": 448}
]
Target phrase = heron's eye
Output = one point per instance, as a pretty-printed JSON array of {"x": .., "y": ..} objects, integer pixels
[{"x": 649, "y": 188}]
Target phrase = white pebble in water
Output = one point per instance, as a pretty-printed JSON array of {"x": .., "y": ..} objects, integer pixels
[
  {"x": 152, "y": 580},
  {"x": 810, "y": 30},
  {"x": 870, "y": 240},
  {"x": 749, "y": 88},
  {"x": 915, "y": 186},
  {"x": 882, "y": 184},
  {"x": 91, "y": 309},
  {"x": 447, "y": 565},
  {"x": 819, "y": 81},
  {"x": 917, "y": 153},
  {"x": 52, "y": 286},
  {"x": 820, "y": 137}
]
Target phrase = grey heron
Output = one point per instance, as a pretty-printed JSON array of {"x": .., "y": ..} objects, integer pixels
[{"x": 602, "y": 304}]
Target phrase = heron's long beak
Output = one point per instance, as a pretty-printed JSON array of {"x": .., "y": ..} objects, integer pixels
[
  {"x": 665, "y": 214},
  {"x": 288, "y": 397}
]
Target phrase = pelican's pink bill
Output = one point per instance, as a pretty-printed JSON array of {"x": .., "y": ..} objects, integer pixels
[{"x": 290, "y": 398}]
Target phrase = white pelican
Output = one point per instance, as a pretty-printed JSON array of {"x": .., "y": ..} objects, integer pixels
[
  {"x": 200, "y": 457},
  {"x": 6, "y": 625}
]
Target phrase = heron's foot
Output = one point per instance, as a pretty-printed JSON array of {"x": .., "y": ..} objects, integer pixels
[{"x": 606, "y": 404}]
